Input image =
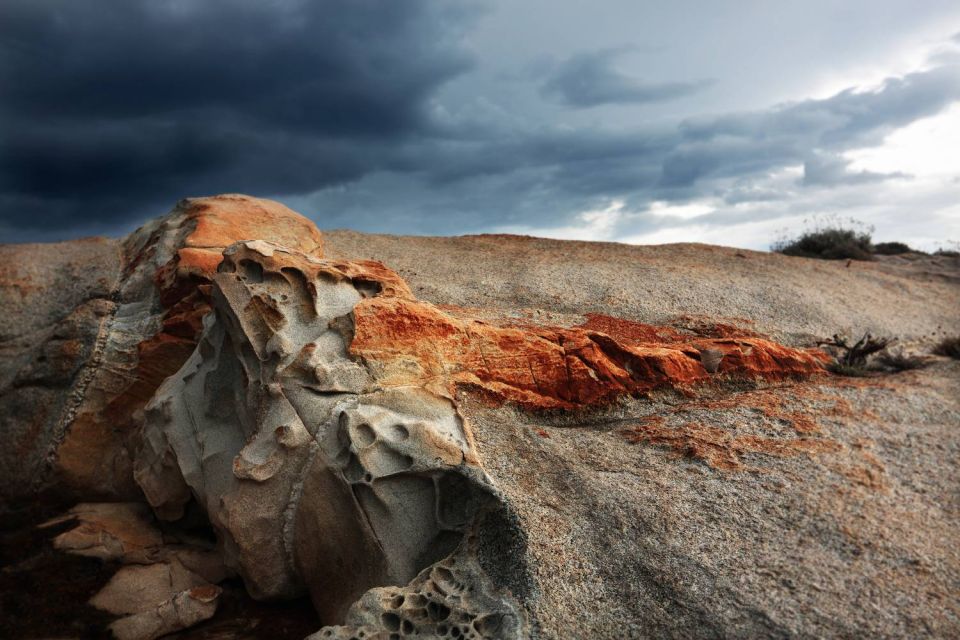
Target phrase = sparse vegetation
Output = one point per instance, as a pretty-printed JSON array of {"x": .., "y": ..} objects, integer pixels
[
  {"x": 901, "y": 361},
  {"x": 851, "y": 360},
  {"x": 892, "y": 249},
  {"x": 870, "y": 354},
  {"x": 949, "y": 347},
  {"x": 830, "y": 239},
  {"x": 948, "y": 249}
]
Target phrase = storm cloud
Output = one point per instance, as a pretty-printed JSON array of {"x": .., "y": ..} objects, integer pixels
[
  {"x": 112, "y": 106},
  {"x": 375, "y": 115},
  {"x": 589, "y": 79}
]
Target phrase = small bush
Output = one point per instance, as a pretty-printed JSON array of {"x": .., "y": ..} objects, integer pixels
[
  {"x": 851, "y": 360},
  {"x": 900, "y": 361},
  {"x": 949, "y": 347},
  {"x": 830, "y": 239},
  {"x": 891, "y": 248}
]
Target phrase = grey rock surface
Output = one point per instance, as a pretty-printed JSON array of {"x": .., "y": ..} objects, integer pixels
[{"x": 794, "y": 300}]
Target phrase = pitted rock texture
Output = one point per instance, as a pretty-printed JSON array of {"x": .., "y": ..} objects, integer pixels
[
  {"x": 93, "y": 327},
  {"x": 450, "y": 599},
  {"x": 313, "y": 475}
]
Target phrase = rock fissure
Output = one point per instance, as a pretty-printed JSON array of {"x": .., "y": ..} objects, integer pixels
[{"x": 77, "y": 395}]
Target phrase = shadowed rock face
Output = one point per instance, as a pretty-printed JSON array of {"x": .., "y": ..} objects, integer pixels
[
  {"x": 445, "y": 471},
  {"x": 58, "y": 305}
]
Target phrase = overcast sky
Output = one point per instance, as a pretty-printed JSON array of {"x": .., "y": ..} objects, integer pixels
[{"x": 712, "y": 121}]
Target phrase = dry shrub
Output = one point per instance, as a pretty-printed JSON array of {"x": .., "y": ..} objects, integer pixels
[
  {"x": 901, "y": 361},
  {"x": 892, "y": 248},
  {"x": 830, "y": 239},
  {"x": 851, "y": 359},
  {"x": 949, "y": 347}
]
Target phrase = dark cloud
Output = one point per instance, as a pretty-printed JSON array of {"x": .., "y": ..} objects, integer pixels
[
  {"x": 589, "y": 79},
  {"x": 747, "y": 143},
  {"x": 833, "y": 170},
  {"x": 543, "y": 177},
  {"x": 112, "y": 105},
  {"x": 112, "y": 110},
  {"x": 848, "y": 119}
]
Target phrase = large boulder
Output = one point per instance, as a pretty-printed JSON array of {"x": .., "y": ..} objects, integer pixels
[{"x": 91, "y": 328}]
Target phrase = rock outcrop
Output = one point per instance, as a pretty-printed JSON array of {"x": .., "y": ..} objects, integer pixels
[
  {"x": 316, "y": 422},
  {"x": 162, "y": 586},
  {"x": 424, "y": 468},
  {"x": 93, "y": 328},
  {"x": 311, "y": 473}
]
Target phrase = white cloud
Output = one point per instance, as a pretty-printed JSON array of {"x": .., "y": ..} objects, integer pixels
[
  {"x": 927, "y": 148},
  {"x": 753, "y": 234},
  {"x": 685, "y": 211},
  {"x": 593, "y": 224}
]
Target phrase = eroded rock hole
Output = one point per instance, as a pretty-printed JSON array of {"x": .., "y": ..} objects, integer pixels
[
  {"x": 489, "y": 624},
  {"x": 354, "y": 471},
  {"x": 251, "y": 271},
  {"x": 445, "y": 582},
  {"x": 437, "y": 611},
  {"x": 390, "y": 621},
  {"x": 363, "y": 435},
  {"x": 399, "y": 432},
  {"x": 305, "y": 292},
  {"x": 367, "y": 288}
]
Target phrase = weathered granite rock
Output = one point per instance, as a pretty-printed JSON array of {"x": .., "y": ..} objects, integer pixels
[
  {"x": 496, "y": 471},
  {"x": 549, "y": 367},
  {"x": 182, "y": 611},
  {"x": 92, "y": 328},
  {"x": 312, "y": 473},
  {"x": 316, "y": 424},
  {"x": 451, "y": 599},
  {"x": 57, "y": 302},
  {"x": 121, "y": 531},
  {"x": 163, "y": 584}
]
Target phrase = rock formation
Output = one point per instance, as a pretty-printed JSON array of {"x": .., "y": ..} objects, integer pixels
[
  {"x": 283, "y": 439},
  {"x": 108, "y": 321},
  {"x": 419, "y": 467}
]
